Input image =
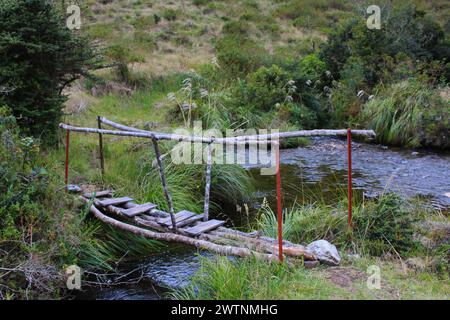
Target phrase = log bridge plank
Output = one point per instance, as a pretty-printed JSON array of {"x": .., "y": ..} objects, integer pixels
[
  {"x": 98, "y": 194},
  {"x": 204, "y": 227},
  {"x": 139, "y": 209},
  {"x": 179, "y": 217},
  {"x": 114, "y": 201}
]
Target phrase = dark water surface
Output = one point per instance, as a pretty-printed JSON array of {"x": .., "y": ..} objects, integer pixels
[{"x": 318, "y": 171}]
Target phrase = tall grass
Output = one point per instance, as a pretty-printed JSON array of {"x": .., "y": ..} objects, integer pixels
[
  {"x": 409, "y": 113},
  {"x": 387, "y": 224},
  {"x": 225, "y": 279}
]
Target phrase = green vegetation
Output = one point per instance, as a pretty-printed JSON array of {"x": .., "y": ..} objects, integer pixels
[
  {"x": 225, "y": 279},
  {"x": 39, "y": 58},
  {"x": 407, "y": 113},
  {"x": 245, "y": 64},
  {"x": 383, "y": 235},
  {"x": 42, "y": 231}
]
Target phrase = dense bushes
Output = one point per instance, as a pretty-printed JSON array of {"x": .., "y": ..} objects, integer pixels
[
  {"x": 409, "y": 113},
  {"x": 407, "y": 32},
  {"x": 375, "y": 63},
  {"x": 236, "y": 51},
  {"x": 39, "y": 57}
]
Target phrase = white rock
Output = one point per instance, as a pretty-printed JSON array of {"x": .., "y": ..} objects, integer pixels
[
  {"x": 74, "y": 188},
  {"x": 325, "y": 252}
]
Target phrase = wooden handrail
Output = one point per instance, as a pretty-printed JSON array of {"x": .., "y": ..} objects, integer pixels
[{"x": 258, "y": 139}]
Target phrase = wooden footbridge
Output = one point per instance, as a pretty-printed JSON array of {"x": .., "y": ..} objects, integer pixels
[{"x": 189, "y": 227}]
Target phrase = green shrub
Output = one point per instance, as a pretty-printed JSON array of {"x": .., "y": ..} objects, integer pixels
[
  {"x": 311, "y": 67},
  {"x": 407, "y": 31},
  {"x": 122, "y": 55},
  {"x": 236, "y": 52},
  {"x": 39, "y": 57},
  {"x": 385, "y": 225},
  {"x": 170, "y": 14},
  {"x": 266, "y": 87}
]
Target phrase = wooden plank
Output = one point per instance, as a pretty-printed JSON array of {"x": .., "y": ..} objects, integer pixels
[
  {"x": 180, "y": 216},
  {"x": 139, "y": 209},
  {"x": 189, "y": 221},
  {"x": 114, "y": 201},
  {"x": 204, "y": 227},
  {"x": 99, "y": 194}
]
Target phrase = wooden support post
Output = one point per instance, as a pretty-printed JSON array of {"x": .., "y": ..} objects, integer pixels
[
  {"x": 100, "y": 146},
  {"x": 279, "y": 205},
  {"x": 349, "y": 176},
  {"x": 164, "y": 183},
  {"x": 208, "y": 181},
  {"x": 66, "y": 176}
]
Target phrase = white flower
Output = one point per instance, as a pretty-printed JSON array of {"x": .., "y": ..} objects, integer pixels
[
  {"x": 214, "y": 62},
  {"x": 328, "y": 74},
  {"x": 360, "y": 93},
  {"x": 203, "y": 93},
  {"x": 308, "y": 82},
  {"x": 371, "y": 97}
]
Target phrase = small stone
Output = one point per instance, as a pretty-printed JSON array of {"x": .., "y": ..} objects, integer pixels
[
  {"x": 74, "y": 188},
  {"x": 325, "y": 252}
]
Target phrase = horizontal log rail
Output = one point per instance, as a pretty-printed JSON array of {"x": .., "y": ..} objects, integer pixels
[{"x": 229, "y": 140}]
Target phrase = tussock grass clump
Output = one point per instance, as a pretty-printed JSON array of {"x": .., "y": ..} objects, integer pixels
[
  {"x": 387, "y": 224},
  {"x": 409, "y": 113}
]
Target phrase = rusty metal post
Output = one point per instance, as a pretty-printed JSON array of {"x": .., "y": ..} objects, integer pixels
[
  {"x": 100, "y": 145},
  {"x": 349, "y": 176},
  {"x": 66, "y": 177},
  {"x": 279, "y": 204}
]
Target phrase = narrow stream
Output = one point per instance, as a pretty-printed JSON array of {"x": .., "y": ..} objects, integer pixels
[{"x": 318, "y": 170}]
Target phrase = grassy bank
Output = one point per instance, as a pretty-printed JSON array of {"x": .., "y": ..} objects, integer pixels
[
  {"x": 223, "y": 279},
  {"x": 404, "y": 241}
]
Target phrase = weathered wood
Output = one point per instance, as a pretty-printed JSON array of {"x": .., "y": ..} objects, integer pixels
[
  {"x": 164, "y": 183},
  {"x": 269, "y": 138},
  {"x": 292, "y": 250},
  {"x": 121, "y": 126},
  {"x": 180, "y": 216},
  {"x": 100, "y": 147},
  {"x": 139, "y": 209},
  {"x": 204, "y": 227},
  {"x": 218, "y": 238},
  {"x": 172, "y": 237},
  {"x": 114, "y": 201},
  {"x": 189, "y": 221},
  {"x": 208, "y": 182},
  {"x": 98, "y": 194}
]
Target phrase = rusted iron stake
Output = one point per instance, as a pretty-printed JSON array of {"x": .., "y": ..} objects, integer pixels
[
  {"x": 349, "y": 176},
  {"x": 279, "y": 207},
  {"x": 66, "y": 177},
  {"x": 100, "y": 145}
]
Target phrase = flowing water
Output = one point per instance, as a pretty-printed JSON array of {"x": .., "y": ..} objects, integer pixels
[{"x": 316, "y": 171}]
